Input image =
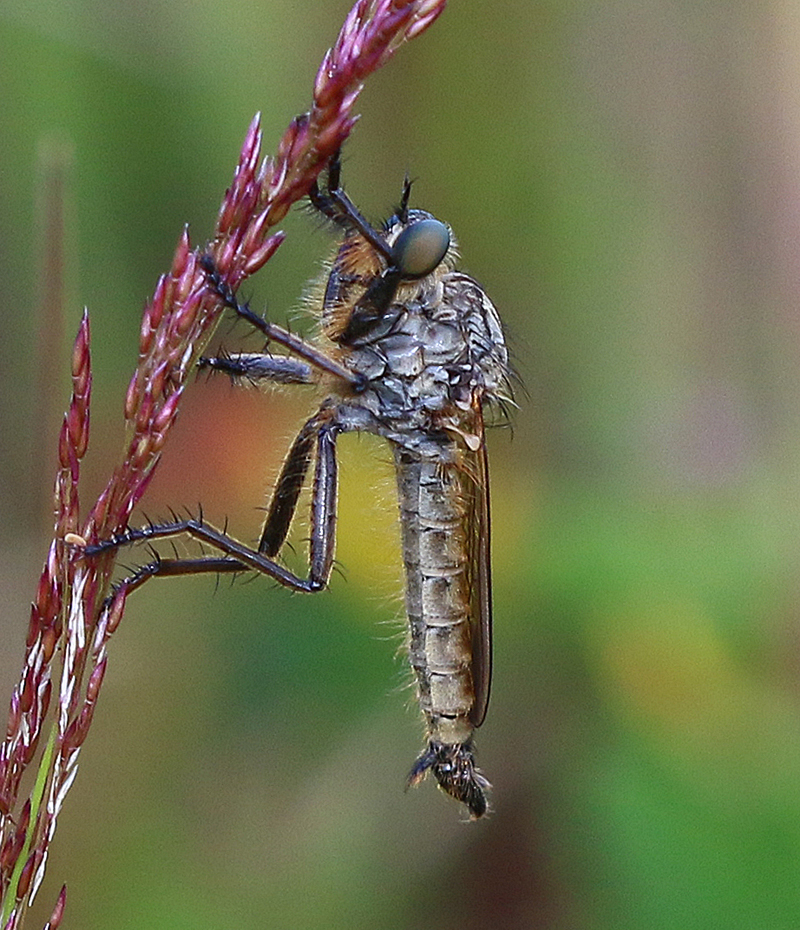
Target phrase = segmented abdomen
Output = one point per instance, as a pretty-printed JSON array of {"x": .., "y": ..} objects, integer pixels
[{"x": 435, "y": 555}]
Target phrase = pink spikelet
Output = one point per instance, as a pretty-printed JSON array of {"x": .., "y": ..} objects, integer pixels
[{"x": 72, "y": 615}]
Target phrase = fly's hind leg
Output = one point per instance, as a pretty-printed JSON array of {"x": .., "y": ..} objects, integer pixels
[
  {"x": 316, "y": 439},
  {"x": 283, "y": 504}
]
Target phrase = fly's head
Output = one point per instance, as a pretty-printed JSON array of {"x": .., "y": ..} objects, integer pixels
[
  {"x": 375, "y": 269},
  {"x": 365, "y": 282},
  {"x": 424, "y": 337}
]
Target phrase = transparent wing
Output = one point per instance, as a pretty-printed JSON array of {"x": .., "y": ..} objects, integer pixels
[{"x": 476, "y": 492}]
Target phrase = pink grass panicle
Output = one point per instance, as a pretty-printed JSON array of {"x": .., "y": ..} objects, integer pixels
[{"x": 71, "y": 615}]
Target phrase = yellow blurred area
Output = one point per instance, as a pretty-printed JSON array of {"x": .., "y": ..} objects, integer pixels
[
  {"x": 667, "y": 672},
  {"x": 368, "y": 541},
  {"x": 664, "y": 664}
]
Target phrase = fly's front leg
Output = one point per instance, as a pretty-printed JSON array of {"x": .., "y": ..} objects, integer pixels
[
  {"x": 337, "y": 206},
  {"x": 273, "y": 333}
]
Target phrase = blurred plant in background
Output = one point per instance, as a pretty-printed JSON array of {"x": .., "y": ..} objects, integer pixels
[{"x": 622, "y": 180}]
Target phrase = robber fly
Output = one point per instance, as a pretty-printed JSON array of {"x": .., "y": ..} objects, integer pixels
[{"x": 412, "y": 350}]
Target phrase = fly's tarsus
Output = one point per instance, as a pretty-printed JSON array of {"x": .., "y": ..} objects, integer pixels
[
  {"x": 236, "y": 556},
  {"x": 227, "y": 295},
  {"x": 453, "y": 766},
  {"x": 338, "y": 207},
  {"x": 167, "y": 568}
]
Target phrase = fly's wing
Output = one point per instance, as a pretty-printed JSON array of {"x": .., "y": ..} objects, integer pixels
[{"x": 476, "y": 493}]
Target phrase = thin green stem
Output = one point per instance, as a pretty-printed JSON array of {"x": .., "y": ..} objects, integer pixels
[{"x": 37, "y": 796}]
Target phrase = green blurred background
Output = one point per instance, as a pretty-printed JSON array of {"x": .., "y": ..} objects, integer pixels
[{"x": 623, "y": 179}]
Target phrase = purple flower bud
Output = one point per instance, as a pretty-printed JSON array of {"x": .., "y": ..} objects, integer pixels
[{"x": 58, "y": 910}]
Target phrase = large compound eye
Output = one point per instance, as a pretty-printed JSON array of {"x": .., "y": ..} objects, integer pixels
[{"x": 420, "y": 247}]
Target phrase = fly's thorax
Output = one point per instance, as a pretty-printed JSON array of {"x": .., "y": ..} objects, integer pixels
[
  {"x": 425, "y": 338},
  {"x": 437, "y": 346}
]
